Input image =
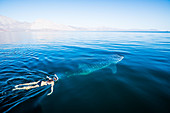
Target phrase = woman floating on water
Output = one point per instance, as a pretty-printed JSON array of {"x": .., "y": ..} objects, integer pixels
[{"x": 40, "y": 83}]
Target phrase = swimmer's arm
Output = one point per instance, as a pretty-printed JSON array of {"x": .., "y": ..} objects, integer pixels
[
  {"x": 51, "y": 90},
  {"x": 49, "y": 78}
]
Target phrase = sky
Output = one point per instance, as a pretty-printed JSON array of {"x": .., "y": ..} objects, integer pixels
[{"x": 123, "y": 14}]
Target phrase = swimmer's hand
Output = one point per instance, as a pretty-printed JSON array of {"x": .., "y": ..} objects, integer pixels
[
  {"x": 51, "y": 90},
  {"x": 49, "y": 93}
]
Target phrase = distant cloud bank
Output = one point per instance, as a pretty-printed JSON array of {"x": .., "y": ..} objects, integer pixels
[{"x": 8, "y": 24}]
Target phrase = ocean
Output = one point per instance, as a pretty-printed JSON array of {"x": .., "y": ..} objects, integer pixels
[{"x": 99, "y": 72}]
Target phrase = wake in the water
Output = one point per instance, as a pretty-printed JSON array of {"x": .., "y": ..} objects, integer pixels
[{"x": 13, "y": 95}]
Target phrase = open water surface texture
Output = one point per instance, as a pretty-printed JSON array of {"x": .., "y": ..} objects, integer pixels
[{"x": 99, "y": 72}]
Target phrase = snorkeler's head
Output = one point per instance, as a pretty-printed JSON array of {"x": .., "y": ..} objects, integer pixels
[{"x": 55, "y": 78}]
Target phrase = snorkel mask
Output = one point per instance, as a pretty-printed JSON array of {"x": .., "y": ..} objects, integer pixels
[{"x": 55, "y": 78}]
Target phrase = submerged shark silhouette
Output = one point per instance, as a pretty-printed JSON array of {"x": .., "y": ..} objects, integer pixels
[{"x": 97, "y": 64}]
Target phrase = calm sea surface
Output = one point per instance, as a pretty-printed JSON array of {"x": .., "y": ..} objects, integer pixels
[{"x": 140, "y": 85}]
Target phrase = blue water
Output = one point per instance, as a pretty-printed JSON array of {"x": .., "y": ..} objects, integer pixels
[{"x": 140, "y": 84}]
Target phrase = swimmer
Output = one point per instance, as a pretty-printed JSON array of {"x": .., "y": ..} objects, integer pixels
[{"x": 40, "y": 83}]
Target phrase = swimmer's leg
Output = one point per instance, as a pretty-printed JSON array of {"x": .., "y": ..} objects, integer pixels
[
  {"x": 26, "y": 88},
  {"x": 31, "y": 83}
]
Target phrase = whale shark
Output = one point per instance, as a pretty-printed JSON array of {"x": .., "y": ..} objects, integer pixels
[{"x": 97, "y": 64}]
